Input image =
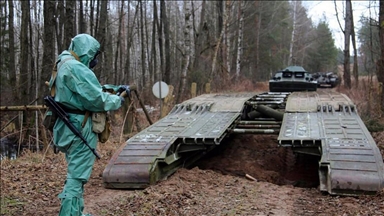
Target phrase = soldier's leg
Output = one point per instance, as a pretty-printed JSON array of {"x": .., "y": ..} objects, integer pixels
[{"x": 80, "y": 161}]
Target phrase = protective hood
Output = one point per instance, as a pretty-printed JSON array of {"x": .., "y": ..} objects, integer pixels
[{"x": 85, "y": 47}]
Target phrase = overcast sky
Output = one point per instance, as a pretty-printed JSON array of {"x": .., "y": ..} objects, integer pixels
[{"x": 319, "y": 9}]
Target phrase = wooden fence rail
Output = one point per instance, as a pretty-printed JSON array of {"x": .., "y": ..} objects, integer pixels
[{"x": 23, "y": 108}]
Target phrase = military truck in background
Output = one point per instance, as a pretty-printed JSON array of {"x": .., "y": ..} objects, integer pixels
[
  {"x": 326, "y": 79},
  {"x": 292, "y": 78}
]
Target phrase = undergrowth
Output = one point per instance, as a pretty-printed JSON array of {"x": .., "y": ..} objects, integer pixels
[{"x": 366, "y": 97}]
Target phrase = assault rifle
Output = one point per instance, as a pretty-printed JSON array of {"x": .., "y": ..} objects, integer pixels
[{"x": 59, "y": 111}]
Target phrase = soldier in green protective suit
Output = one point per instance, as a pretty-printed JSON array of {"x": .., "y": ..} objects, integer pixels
[{"x": 78, "y": 91}]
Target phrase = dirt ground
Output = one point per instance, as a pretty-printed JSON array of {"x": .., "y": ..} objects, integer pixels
[{"x": 215, "y": 186}]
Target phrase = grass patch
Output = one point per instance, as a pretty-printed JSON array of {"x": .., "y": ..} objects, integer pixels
[
  {"x": 373, "y": 125},
  {"x": 9, "y": 205}
]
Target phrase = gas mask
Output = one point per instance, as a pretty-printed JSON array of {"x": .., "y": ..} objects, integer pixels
[{"x": 94, "y": 61}]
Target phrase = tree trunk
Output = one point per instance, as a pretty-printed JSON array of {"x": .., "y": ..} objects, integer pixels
[
  {"x": 347, "y": 36},
  {"x": 97, "y": 18},
  {"x": 220, "y": 15},
  {"x": 147, "y": 52},
  {"x": 36, "y": 79},
  {"x": 12, "y": 56},
  {"x": 4, "y": 43},
  {"x": 129, "y": 45},
  {"x": 59, "y": 27},
  {"x": 239, "y": 39},
  {"x": 228, "y": 42},
  {"x": 199, "y": 39},
  {"x": 167, "y": 51},
  {"x": 48, "y": 42},
  {"x": 69, "y": 25},
  {"x": 32, "y": 71},
  {"x": 154, "y": 57},
  {"x": 218, "y": 43},
  {"x": 121, "y": 17},
  {"x": 257, "y": 30},
  {"x": 101, "y": 36},
  {"x": 83, "y": 24},
  {"x": 91, "y": 17},
  {"x": 291, "y": 56},
  {"x": 187, "y": 42},
  {"x": 107, "y": 75},
  {"x": 127, "y": 76},
  {"x": 122, "y": 46},
  {"x": 161, "y": 47},
  {"x": 380, "y": 71},
  {"x": 24, "y": 53},
  {"x": 143, "y": 74},
  {"x": 355, "y": 68}
]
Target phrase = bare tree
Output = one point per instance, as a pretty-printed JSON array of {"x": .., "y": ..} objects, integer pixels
[
  {"x": 347, "y": 36},
  {"x": 24, "y": 54},
  {"x": 160, "y": 39},
  {"x": 291, "y": 57},
  {"x": 187, "y": 44},
  {"x": 227, "y": 39},
  {"x": 128, "y": 73},
  {"x": 101, "y": 36},
  {"x": 240, "y": 38},
  {"x": 48, "y": 40},
  {"x": 380, "y": 68},
  {"x": 12, "y": 56},
  {"x": 153, "y": 43},
  {"x": 91, "y": 17},
  {"x": 218, "y": 43},
  {"x": 200, "y": 34},
  {"x": 69, "y": 23},
  {"x": 59, "y": 26},
  {"x": 82, "y": 23},
  {"x": 355, "y": 68},
  {"x": 148, "y": 65},
  {"x": 142, "y": 39},
  {"x": 119, "y": 38},
  {"x": 258, "y": 19},
  {"x": 167, "y": 51}
]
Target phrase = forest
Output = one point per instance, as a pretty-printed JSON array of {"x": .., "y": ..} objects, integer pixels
[
  {"x": 226, "y": 44},
  {"x": 180, "y": 42},
  {"x": 229, "y": 45}
]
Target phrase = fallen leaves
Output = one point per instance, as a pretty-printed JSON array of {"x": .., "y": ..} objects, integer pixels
[{"x": 30, "y": 185}]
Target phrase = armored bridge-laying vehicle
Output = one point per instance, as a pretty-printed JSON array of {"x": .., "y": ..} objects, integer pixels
[
  {"x": 324, "y": 124},
  {"x": 326, "y": 79},
  {"x": 292, "y": 78}
]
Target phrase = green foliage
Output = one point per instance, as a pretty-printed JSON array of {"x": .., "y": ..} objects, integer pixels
[
  {"x": 10, "y": 205},
  {"x": 199, "y": 76},
  {"x": 276, "y": 28},
  {"x": 374, "y": 125},
  {"x": 368, "y": 36},
  {"x": 340, "y": 57},
  {"x": 313, "y": 48},
  {"x": 323, "y": 54}
]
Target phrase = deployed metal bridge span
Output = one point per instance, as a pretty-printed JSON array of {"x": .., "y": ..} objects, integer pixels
[
  {"x": 351, "y": 162},
  {"x": 308, "y": 122}
]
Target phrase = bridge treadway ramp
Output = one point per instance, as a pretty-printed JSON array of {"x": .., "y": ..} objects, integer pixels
[{"x": 316, "y": 123}]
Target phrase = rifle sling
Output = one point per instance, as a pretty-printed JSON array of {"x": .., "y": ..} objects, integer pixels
[
  {"x": 79, "y": 112},
  {"x": 53, "y": 91}
]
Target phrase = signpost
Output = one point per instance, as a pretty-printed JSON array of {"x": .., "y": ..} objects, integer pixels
[{"x": 160, "y": 90}]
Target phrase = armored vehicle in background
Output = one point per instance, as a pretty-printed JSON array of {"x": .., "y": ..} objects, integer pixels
[
  {"x": 292, "y": 78},
  {"x": 326, "y": 79}
]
